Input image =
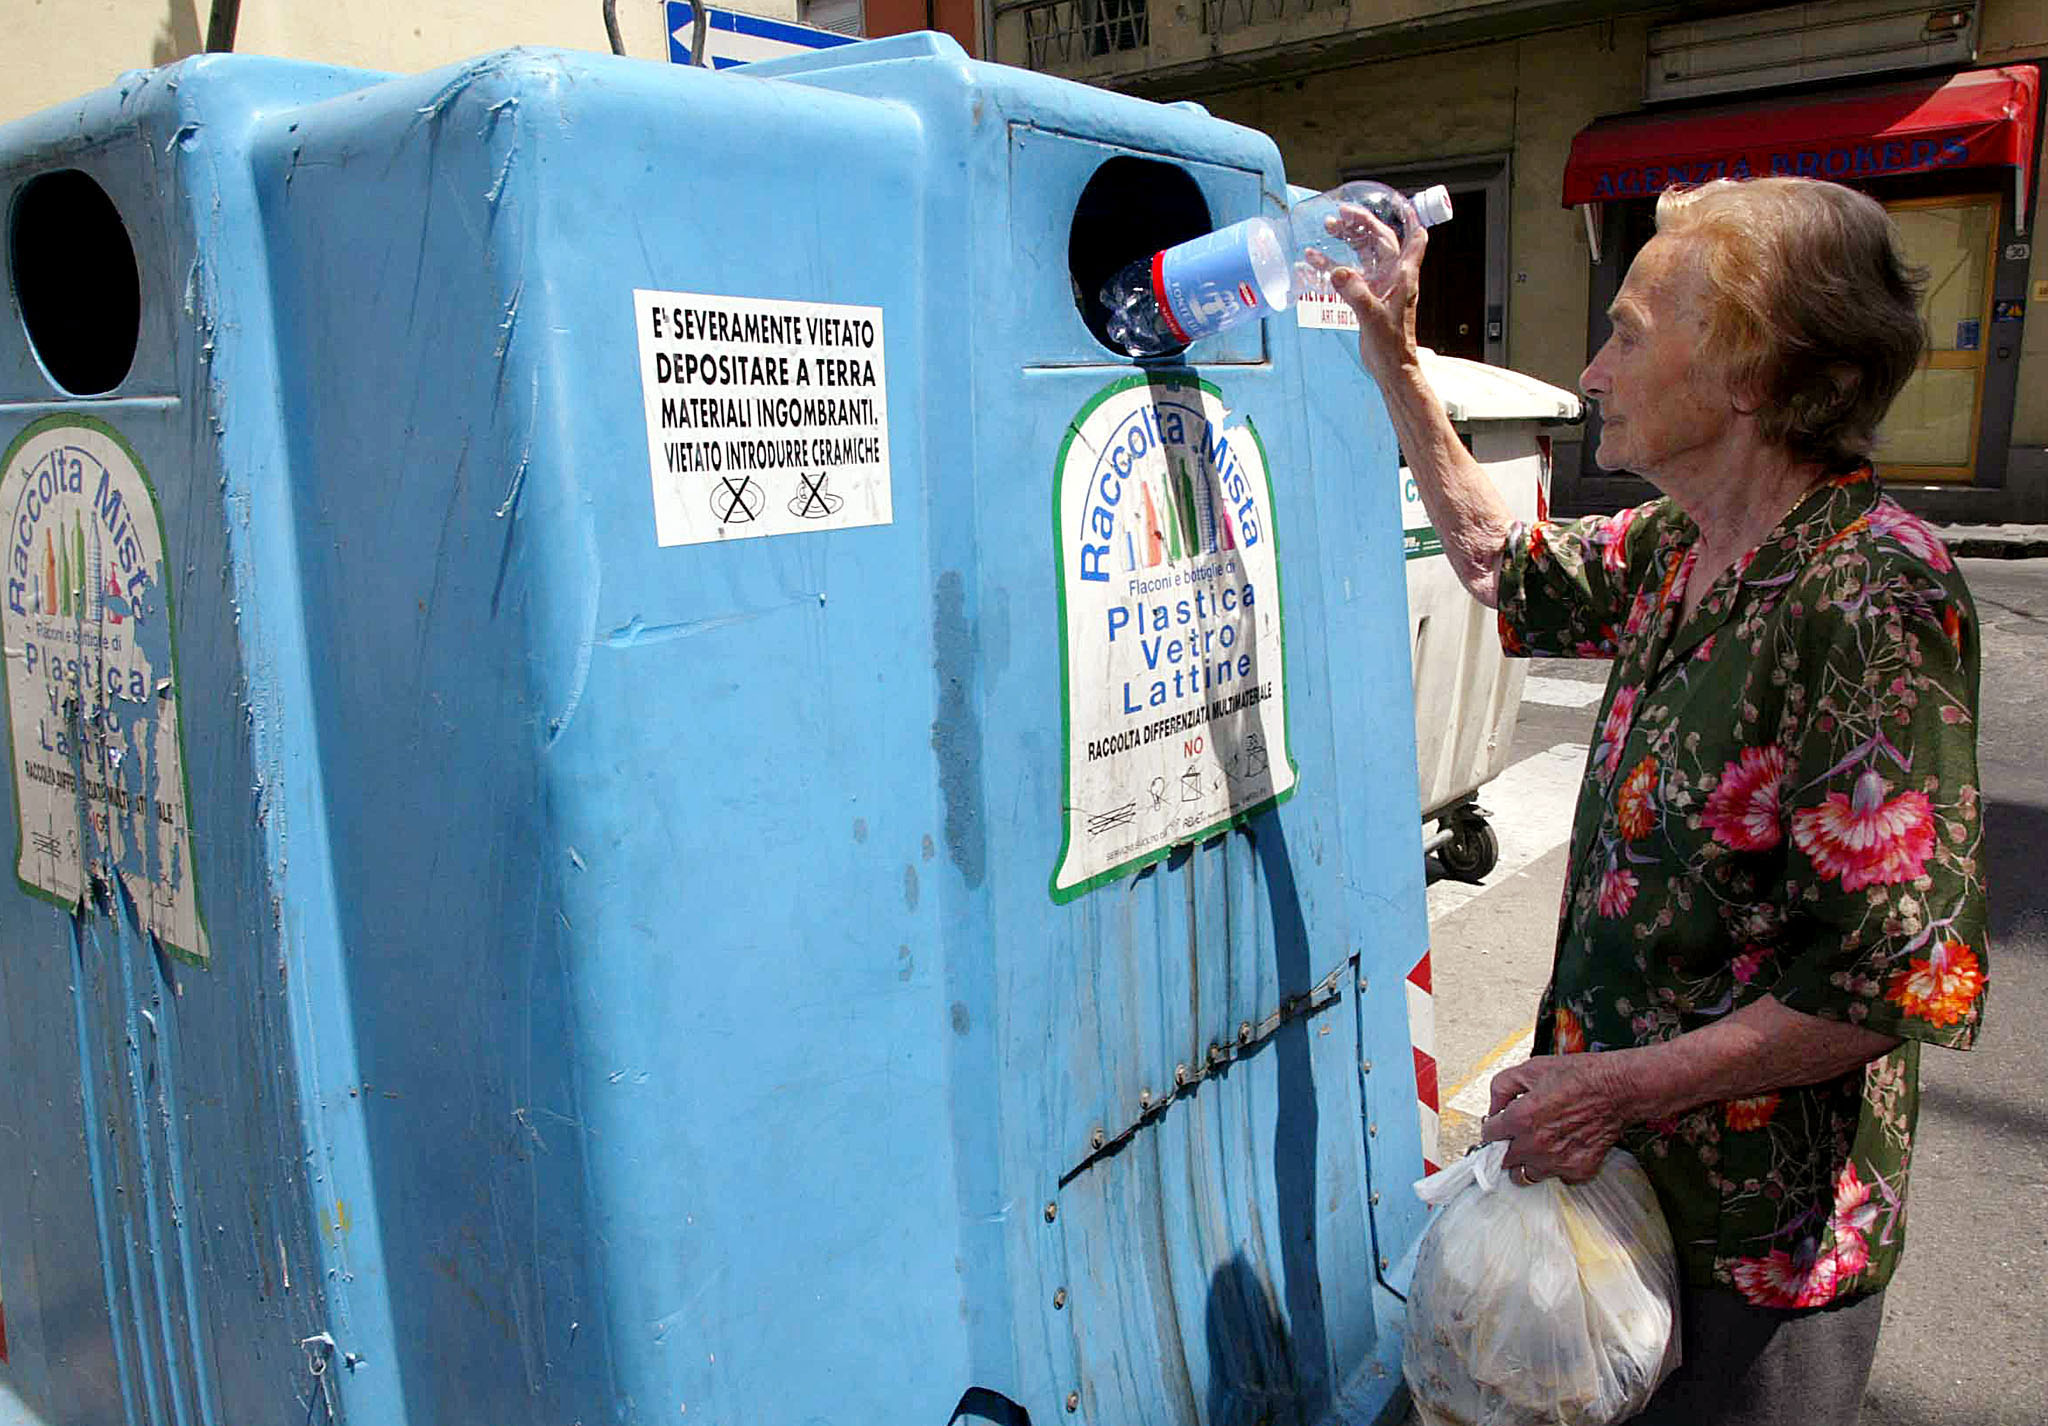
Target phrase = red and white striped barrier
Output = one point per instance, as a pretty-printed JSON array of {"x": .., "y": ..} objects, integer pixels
[{"x": 1422, "y": 1037}]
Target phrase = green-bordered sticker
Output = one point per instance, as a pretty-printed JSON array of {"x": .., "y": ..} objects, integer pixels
[
  {"x": 98, "y": 766},
  {"x": 1172, "y": 662}
]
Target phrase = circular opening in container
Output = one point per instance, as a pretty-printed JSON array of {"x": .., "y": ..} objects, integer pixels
[
  {"x": 76, "y": 281},
  {"x": 1130, "y": 209}
]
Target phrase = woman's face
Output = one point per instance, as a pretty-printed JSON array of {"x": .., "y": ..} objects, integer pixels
[{"x": 1664, "y": 410}]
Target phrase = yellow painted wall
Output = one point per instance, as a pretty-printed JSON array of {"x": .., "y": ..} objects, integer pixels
[
  {"x": 2012, "y": 30},
  {"x": 2030, "y": 408},
  {"x": 58, "y": 49}
]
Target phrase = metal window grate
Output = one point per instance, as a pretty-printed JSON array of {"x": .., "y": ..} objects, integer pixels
[
  {"x": 845, "y": 17},
  {"x": 1064, "y": 32},
  {"x": 1223, "y": 17}
]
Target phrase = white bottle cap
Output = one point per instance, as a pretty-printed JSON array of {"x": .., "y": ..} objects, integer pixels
[{"x": 1432, "y": 205}]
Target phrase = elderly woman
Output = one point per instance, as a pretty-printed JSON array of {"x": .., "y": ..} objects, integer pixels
[{"x": 1776, "y": 885}]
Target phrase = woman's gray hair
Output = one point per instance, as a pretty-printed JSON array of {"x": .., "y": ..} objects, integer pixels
[{"x": 1814, "y": 314}]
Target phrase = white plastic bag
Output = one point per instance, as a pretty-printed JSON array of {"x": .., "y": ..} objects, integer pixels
[{"x": 1553, "y": 1304}]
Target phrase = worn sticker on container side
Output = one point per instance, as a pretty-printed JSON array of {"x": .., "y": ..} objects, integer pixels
[
  {"x": 1317, "y": 312},
  {"x": 1172, "y": 660},
  {"x": 98, "y": 768},
  {"x": 764, "y": 417}
]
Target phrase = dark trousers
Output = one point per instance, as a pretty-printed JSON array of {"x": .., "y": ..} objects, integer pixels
[{"x": 1756, "y": 1366}]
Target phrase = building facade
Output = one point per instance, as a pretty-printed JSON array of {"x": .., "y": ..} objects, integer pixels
[
  {"x": 60, "y": 49},
  {"x": 1556, "y": 125},
  {"x": 1554, "y": 122}
]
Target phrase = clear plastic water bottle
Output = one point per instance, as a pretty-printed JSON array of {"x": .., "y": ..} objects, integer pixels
[{"x": 1256, "y": 268}]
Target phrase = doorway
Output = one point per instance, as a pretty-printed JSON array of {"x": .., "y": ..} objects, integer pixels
[
  {"x": 1450, "y": 312},
  {"x": 1462, "y": 309},
  {"x": 1931, "y": 431}
]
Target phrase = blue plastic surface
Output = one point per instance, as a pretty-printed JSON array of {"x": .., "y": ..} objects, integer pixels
[{"x": 632, "y": 988}]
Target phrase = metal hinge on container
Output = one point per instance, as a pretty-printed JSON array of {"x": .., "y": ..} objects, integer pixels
[{"x": 1220, "y": 1055}]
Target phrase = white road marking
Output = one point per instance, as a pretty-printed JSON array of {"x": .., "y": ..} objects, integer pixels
[
  {"x": 1530, "y": 809},
  {"x": 1561, "y": 692}
]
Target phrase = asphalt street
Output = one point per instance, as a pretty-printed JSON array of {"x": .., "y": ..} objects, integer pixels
[{"x": 1966, "y": 1320}]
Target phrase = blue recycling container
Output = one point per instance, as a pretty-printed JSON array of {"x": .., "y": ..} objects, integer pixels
[{"x": 649, "y": 787}]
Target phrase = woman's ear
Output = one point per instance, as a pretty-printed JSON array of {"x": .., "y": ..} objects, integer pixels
[{"x": 1745, "y": 392}]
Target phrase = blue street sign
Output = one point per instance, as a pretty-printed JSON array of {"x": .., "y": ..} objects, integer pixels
[{"x": 733, "y": 38}]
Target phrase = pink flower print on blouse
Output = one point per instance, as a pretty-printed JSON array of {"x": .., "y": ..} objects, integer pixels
[
  {"x": 1773, "y": 1280},
  {"x": 1614, "y": 541},
  {"x": 1614, "y": 732},
  {"x": 1813, "y": 1277},
  {"x": 1823, "y": 1281},
  {"x": 1910, "y": 532},
  {"x": 1750, "y": 963},
  {"x": 1638, "y": 615},
  {"x": 1781, "y": 1279},
  {"x": 1617, "y": 892},
  {"x": 1853, "y": 1217},
  {"x": 1866, "y": 840},
  {"x": 1742, "y": 810}
]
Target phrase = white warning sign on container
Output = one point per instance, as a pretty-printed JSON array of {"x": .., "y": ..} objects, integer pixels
[
  {"x": 1330, "y": 313},
  {"x": 100, "y": 795},
  {"x": 764, "y": 417},
  {"x": 1172, "y": 659}
]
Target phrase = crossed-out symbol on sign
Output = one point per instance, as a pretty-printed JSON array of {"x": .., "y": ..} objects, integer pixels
[
  {"x": 736, "y": 502},
  {"x": 812, "y": 500}
]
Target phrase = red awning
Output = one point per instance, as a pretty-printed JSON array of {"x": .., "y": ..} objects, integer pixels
[{"x": 1980, "y": 118}]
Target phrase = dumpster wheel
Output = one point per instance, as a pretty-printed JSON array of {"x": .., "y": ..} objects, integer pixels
[{"x": 1473, "y": 850}]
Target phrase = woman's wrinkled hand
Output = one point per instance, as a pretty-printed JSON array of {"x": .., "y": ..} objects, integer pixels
[
  {"x": 1386, "y": 318},
  {"x": 1560, "y": 1114}
]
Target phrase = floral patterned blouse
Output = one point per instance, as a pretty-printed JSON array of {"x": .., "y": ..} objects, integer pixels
[{"x": 1782, "y": 799}]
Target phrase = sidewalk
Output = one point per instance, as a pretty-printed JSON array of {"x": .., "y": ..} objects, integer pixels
[{"x": 1998, "y": 542}]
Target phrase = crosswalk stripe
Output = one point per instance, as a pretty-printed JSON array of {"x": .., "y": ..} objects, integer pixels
[
  {"x": 1561, "y": 692},
  {"x": 1530, "y": 808}
]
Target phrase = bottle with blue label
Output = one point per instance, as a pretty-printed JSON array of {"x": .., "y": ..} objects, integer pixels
[{"x": 1258, "y": 267}]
